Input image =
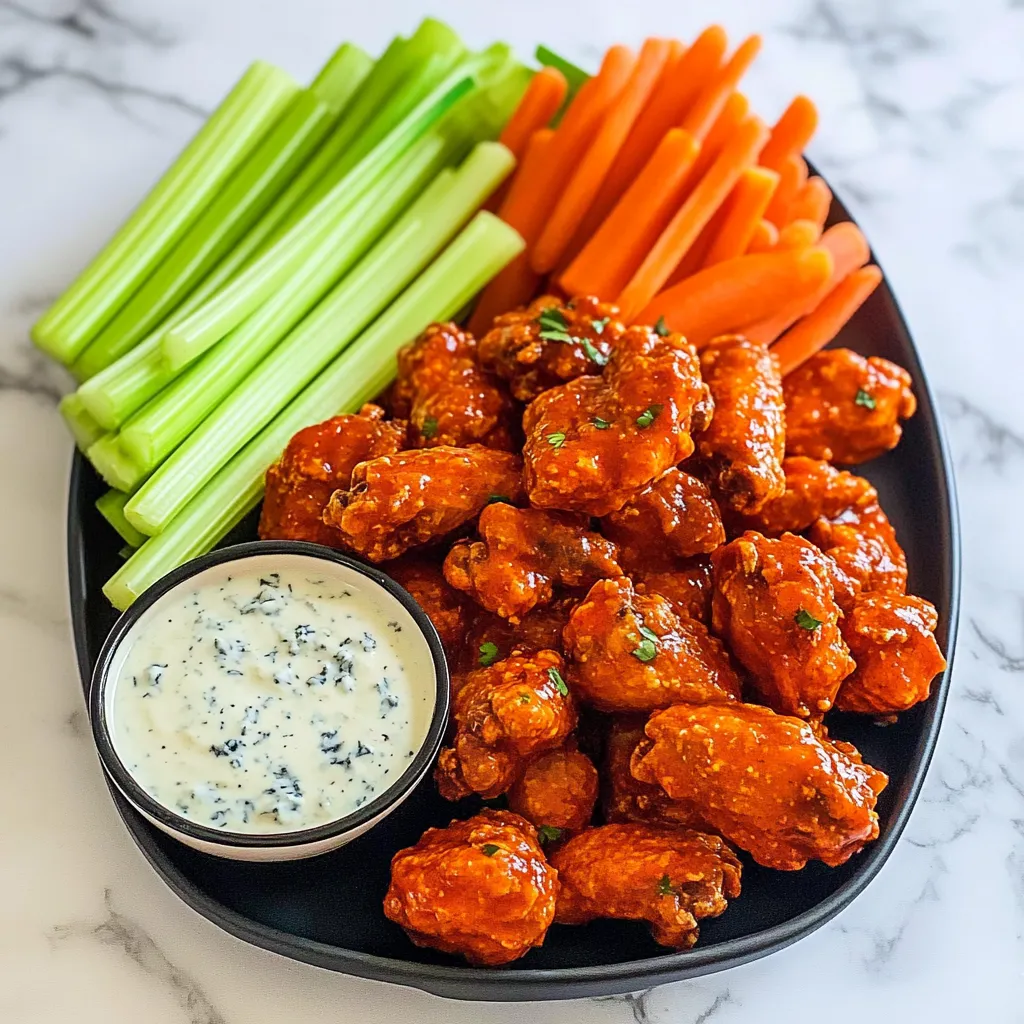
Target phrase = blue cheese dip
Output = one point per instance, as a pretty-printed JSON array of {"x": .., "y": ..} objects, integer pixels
[{"x": 271, "y": 695}]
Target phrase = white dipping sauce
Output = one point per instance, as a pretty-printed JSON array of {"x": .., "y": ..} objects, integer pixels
[{"x": 270, "y": 694}]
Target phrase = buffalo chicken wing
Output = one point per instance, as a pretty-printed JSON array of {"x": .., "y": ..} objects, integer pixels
[{"x": 557, "y": 792}]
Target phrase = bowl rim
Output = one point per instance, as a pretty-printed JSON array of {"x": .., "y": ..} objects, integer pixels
[{"x": 368, "y": 814}]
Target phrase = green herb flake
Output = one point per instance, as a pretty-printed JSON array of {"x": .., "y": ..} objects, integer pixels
[
  {"x": 498, "y": 499},
  {"x": 553, "y": 325},
  {"x": 661, "y": 328},
  {"x": 549, "y": 834},
  {"x": 645, "y": 650},
  {"x": 600, "y": 325},
  {"x": 429, "y": 428},
  {"x": 864, "y": 399},
  {"x": 559, "y": 683},
  {"x": 650, "y": 634},
  {"x": 805, "y": 620},
  {"x": 594, "y": 354},
  {"x": 556, "y": 440},
  {"x": 665, "y": 886},
  {"x": 524, "y": 698},
  {"x": 488, "y": 654},
  {"x": 489, "y": 849},
  {"x": 648, "y": 416},
  {"x": 600, "y": 423}
]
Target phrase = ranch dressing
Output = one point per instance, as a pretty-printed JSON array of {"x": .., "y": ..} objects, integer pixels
[{"x": 271, "y": 694}]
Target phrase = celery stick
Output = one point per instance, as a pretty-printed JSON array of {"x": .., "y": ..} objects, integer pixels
[
  {"x": 303, "y": 241},
  {"x": 270, "y": 166},
  {"x": 162, "y": 424},
  {"x": 201, "y": 170},
  {"x": 574, "y": 75},
  {"x": 340, "y": 78},
  {"x": 84, "y": 428},
  {"x": 111, "y": 462},
  {"x": 111, "y": 507},
  {"x": 394, "y": 261},
  {"x": 357, "y": 375}
]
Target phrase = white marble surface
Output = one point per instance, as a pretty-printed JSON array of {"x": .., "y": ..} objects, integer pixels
[{"x": 922, "y": 105}]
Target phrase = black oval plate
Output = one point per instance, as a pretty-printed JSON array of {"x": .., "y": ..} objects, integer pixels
[{"x": 327, "y": 911}]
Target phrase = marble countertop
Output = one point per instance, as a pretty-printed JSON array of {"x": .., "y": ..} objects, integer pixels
[{"x": 922, "y": 105}]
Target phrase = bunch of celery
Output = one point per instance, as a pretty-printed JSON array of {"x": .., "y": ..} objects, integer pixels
[{"x": 271, "y": 274}]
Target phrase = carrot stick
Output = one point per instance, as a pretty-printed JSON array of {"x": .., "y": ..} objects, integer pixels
[
  {"x": 541, "y": 101},
  {"x": 798, "y": 234},
  {"x": 764, "y": 238},
  {"x": 818, "y": 328},
  {"x": 672, "y": 98},
  {"x": 697, "y": 253},
  {"x": 732, "y": 115},
  {"x": 791, "y": 133},
  {"x": 749, "y": 199},
  {"x": 720, "y": 298},
  {"x": 812, "y": 202},
  {"x": 517, "y": 282},
  {"x": 849, "y": 250},
  {"x": 696, "y": 211},
  {"x": 792, "y": 178},
  {"x": 616, "y": 250},
  {"x": 585, "y": 183},
  {"x": 714, "y": 96}
]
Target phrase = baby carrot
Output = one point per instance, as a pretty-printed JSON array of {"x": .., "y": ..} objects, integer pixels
[
  {"x": 746, "y": 206},
  {"x": 812, "y": 202},
  {"x": 798, "y": 234},
  {"x": 849, "y": 249},
  {"x": 791, "y": 133},
  {"x": 517, "y": 282},
  {"x": 714, "y": 96},
  {"x": 818, "y": 328},
  {"x": 615, "y": 251},
  {"x": 709, "y": 194},
  {"x": 721, "y": 298},
  {"x": 589, "y": 175},
  {"x": 792, "y": 178},
  {"x": 541, "y": 101},
  {"x": 764, "y": 238},
  {"x": 672, "y": 98}
]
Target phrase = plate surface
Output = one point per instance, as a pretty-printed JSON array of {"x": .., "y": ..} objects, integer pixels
[{"x": 327, "y": 911}]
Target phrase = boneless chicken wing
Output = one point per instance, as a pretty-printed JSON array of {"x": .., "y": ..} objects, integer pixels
[
  {"x": 481, "y": 888},
  {"x": 593, "y": 443},
  {"x": 445, "y": 606},
  {"x": 674, "y": 517},
  {"x": 400, "y": 501},
  {"x": 688, "y": 586},
  {"x": 557, "y": 792},
  {"x": 775, "y": 605},
  {"x": 523, "y": 554},
  {"x": 768, "y": 783},
  {"x": 446, "y": 397},
  {"x": 632, "y": 652},
  {"x": 550, "y": 342},
  {"x": 670, "y": 877},
  {"x": 745, "y": 442},
  {"x": 892, "y": 640},
  {"x": 491, "y": 638},
  {"x": 863, "y": 544},
  {"x": 845, "y": 408},
  {"x": 505, "y": 714},
  {"x": 317, "y": 461}
]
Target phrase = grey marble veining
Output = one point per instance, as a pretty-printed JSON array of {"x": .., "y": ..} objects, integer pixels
[{"x": 922, "y": 105}]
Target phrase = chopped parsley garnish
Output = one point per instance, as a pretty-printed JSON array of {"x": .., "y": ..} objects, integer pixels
[
  {"x": 524, "y": 698},
  {"x": 665, "y": 886},
  {"x": 556, "y": 440},
  {"x": 645, "y": 650},
  {"x": 488, "y": 654},
  {"x": 648, "y": 416},
  {"x": 553, "y": 325},
  {"x": 649, "y": 634},
  {"x": 489, "y": 849},
  {"x": 600, "y": 423},
  {"x": 661, "y": 328},
  {"x": 600, "y": 325},
  {"x": 498, "y": 499},
  {"x": 805, "y": 620},
  {"x": 864, "y": 399},
  {"x": 548, "y": 833},
  {"x": 556, "y": 677},
  {"x": 594, "y": 354},
  {"x": 429, "y": 428}
]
